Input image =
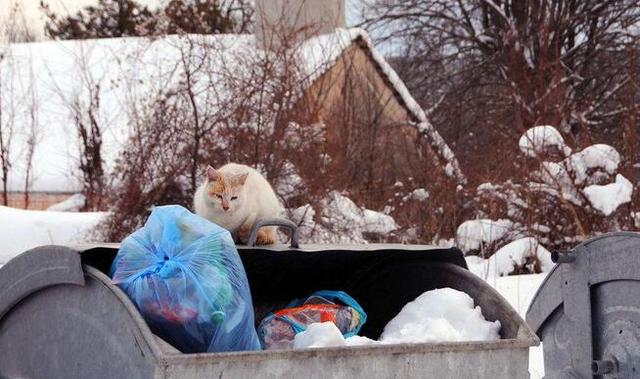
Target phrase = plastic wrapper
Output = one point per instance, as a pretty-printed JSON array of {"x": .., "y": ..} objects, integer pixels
[
  {"x": 186, "y": 278},
  {"x": 278, "y": 329}
]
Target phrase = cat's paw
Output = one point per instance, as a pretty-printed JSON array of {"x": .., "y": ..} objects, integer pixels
[{"x": 266, "y": 237}]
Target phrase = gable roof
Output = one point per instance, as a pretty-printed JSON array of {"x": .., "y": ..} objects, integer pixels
[
  {"x": 452, "y": 167},
  {"x": 49, "y": 77}
]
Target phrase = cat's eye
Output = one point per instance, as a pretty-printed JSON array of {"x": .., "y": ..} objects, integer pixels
[
  {"x": 234, "y": 198},
  {"x": 219, "y": 196}
]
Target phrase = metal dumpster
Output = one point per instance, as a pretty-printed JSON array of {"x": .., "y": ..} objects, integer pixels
[
  {"x": 587, "y": 311},
  {"x": 60, "y": 317}
]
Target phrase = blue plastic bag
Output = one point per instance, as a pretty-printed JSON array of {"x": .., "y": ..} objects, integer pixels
[
  {"x": 278, "y": 329},
  {"x": 185, "y": 276}
]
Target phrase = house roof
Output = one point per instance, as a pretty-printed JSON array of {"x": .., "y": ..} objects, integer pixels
[{"x": 51, "y": 77}]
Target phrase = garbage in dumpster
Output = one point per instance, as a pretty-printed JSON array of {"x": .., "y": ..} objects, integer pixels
[
  {"x": 184, "y": 275},
  {"x": 279, "y": 329},
  {"x": 440, "y": 315}
]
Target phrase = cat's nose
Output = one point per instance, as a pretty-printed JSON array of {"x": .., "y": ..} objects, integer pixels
[{"x": 225, "y": 207}]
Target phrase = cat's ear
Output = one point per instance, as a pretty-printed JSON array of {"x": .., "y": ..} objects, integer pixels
[
  {"x": 242, "y": 178},
  {"x": 212, "y": 174}
]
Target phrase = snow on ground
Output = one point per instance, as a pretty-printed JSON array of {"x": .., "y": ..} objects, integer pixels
[
  {"x": 73, "y": 204},
  {"x": 21, "y": 230},
  {"x": 607, "y": 198},
  {"x": 518, "y": 290}
]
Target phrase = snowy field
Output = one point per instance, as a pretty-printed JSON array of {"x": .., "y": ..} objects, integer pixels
[{"x": 21, "y": 230}]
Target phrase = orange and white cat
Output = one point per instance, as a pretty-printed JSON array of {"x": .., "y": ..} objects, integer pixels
[{"x": 235, "y": 196}]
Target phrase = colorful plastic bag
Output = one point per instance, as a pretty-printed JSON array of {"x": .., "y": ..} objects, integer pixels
[
  {"x": 185, "y": 277},
  {"x": 278, "y": 329}
]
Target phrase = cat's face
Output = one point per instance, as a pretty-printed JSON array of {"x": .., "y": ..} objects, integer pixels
[{"x": 225, "y": 190}]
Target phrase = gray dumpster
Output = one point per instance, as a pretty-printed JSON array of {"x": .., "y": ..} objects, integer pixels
[
  {"x": 587, "y": 311},
  {"x": 60, "y": 317}
]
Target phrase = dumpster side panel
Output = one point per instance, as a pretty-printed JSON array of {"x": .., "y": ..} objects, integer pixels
[
  {"x": 72, "y": 331},
  {"x": 36, "y": 269},
  {"x": 377, "y": 363}
]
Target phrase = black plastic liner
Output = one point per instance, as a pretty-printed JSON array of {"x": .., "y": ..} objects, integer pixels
[{"x": 381, "y": 280}]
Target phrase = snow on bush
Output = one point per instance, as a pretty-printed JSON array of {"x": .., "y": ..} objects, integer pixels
[
  {"x": 474, "y": 234},
  {"x": 520, "y": 255},
  {"x": 340, "y": 221},
  {"x": 594, "y": 162},
  {"x": 419, "y": 194},
  {"x": 583, "y": 175},
  {"x": 441, "y": 315},
  {"x": 609, "y": 197},
  {"x": 23, "y": 230},
  {"x": 593, "y": 165},
  {"x": 556, "y": 202},
  {"x": 289, "y": 183},
  {"x": 541, "y": 140},
  {"x": 557, "y": 181}
]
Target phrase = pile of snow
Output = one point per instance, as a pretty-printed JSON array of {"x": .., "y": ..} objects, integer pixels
[
  {"x": 341, "y": 221},
  {"x": 542, "y": 139},
  {"x": 609, "y": 197},
  {"x": 23, "y": 230},
  {"x": 473, "y": 234},
  {"x": 73, "y": 204},
  {"x": 521, "y": 252},
  {"x": 441, "y": 315},
  {"x": 326, "y": 334},
  {"x": 319, "y": 334}
]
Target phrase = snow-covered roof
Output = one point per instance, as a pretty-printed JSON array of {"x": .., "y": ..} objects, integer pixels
[{"x": 49, "y": 77}]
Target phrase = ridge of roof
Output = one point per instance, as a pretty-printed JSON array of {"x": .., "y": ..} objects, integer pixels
[{"x": 423, "y": 125}]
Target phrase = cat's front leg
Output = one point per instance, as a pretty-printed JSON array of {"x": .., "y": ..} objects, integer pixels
[
  {"x": 243, "y": 233},
  {"x": 245, "y": 230}
]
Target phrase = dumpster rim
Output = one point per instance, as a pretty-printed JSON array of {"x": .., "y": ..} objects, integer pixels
[{"x": 404, "y": 348}]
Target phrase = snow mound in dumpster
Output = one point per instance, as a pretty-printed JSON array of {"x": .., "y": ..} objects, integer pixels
[
  {"x": 441, "y": 315},
  {"x": 326, "y": 334}
]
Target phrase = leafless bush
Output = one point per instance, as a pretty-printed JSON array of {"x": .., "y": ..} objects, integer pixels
[
  {"x": 489, "y": 70},
  {"x": 258, "y": 108}
]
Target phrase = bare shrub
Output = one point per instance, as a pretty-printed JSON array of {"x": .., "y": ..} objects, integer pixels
[{"x": 257, "y": 108}]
